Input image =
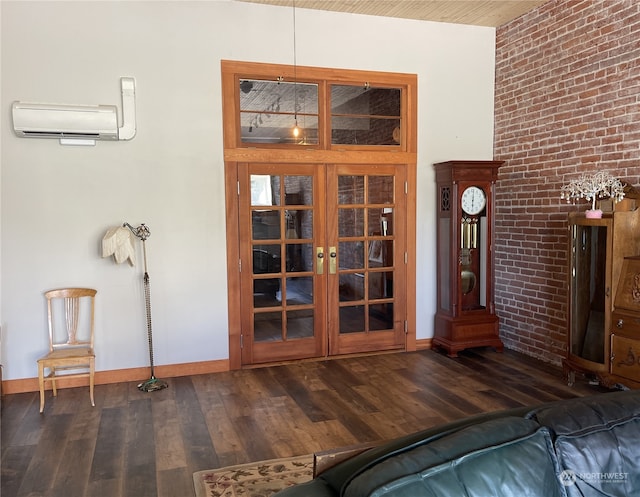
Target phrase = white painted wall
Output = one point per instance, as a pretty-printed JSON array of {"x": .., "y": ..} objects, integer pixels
[{"x": 57, "y": 202}]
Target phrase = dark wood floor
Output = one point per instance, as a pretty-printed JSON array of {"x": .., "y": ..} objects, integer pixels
[{"x": 146, "y": 444}]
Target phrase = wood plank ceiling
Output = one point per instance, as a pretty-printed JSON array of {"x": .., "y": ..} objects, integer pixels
[{"x": 474, "y": 12}]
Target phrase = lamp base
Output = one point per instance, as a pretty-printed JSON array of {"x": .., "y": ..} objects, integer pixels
[{"x": 152, "y": 384}]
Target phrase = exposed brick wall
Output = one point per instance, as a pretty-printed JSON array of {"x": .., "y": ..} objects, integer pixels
[{"x": 567, "y": 101}]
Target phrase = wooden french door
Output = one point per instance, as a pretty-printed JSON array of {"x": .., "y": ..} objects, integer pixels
[{"x": 321, "y": 247}]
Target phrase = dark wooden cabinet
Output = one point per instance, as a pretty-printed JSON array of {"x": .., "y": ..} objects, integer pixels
[
  {"x": 465, "y": 315},
  {"x": 601, "y": 321},
  {"x": 625, "y": 326}
]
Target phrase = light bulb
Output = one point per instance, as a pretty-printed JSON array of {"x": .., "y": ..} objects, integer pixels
[{"x": 296, "y": 130}]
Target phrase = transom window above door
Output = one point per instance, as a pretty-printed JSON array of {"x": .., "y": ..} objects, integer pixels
[{"x": 287, "y": 107}]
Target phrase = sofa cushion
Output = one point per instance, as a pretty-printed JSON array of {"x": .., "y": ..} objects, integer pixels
[
  {"x": 596, "y": 442},
  {"x": 502, "y": 457},
  {"x": 338, "y": 476}
]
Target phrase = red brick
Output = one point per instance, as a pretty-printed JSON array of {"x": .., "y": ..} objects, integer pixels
[{"x": 566, "y": 102}]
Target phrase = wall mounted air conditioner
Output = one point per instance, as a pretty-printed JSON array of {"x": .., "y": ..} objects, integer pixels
[{"x": 77, "y": 124}]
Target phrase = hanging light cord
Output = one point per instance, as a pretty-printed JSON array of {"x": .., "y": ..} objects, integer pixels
[
  {"x": 294, "y": 39},
  {"x": 295, "y": 74}
]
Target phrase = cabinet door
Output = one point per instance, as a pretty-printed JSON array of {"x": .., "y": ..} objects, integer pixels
[
  {"x": 590, "y": 293},
  {"x": 625, "y": 357}
]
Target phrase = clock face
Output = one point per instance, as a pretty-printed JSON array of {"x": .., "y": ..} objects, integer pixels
[{"x": 473, "y": 200}]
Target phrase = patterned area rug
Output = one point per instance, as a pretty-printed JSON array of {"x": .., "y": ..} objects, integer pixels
[{"x": 257, "y": 479}]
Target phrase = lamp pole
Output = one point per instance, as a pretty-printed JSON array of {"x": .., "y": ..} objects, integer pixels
[{"x": 143, "y": 232}]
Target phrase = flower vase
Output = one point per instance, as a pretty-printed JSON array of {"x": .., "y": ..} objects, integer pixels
[{"x": 593, "y": 214}]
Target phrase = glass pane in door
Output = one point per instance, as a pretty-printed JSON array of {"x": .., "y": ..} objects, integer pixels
[
  {"x": 365, "y": 257},
  {"x": 352, "y": 319},
  {"x": 266, "y": 283},
  {"x": 588, "y": 292},
  {"x": 282, "y": 318}
]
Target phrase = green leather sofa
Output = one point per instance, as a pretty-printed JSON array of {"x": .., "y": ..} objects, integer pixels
[{"x": 585, "y": 447}]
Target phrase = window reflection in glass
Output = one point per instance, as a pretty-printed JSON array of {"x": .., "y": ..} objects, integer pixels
[
  {"x": 381, "y": 317},
  {"x": 380, "y": 285},
  {"x": 351, "y": 255},
  {"x": 265, "y": 190},
  {"x": 267, "y": 327},
  {"x": 265, "y": 225},
  {"x": 299, "y": 324},
  {"x": 380, "y": 222},
  {"x": 380, "y": 253},
  {"x": 365, "y": 115},
  {"x": 270, "y": 109},
  {"x": 380, "y": 189},
  {"x": 350, "y": 222},
  {"x": 298, "y": 190},
  {"x": 299, "y": 290},
  {"x": 352, "y": 319},
  {"x": 350, "y": 190},
  {"x": 351, "y": 286}
]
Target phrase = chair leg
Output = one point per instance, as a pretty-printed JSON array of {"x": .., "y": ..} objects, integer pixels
[
  {"x": 91, "y": 382},
  {"x": 53, "y": 382},
  {"x": 41, "y": 384}
]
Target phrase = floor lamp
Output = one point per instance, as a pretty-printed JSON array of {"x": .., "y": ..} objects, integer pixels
[{"x": 118, "y": 242}]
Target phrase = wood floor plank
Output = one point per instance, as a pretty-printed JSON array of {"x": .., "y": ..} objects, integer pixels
[
  {"x": 298, "y": 425},
  {"x": 352, "y": 420},
  {"x": 108, "y": 457},
  {"x": 15, "y": 462},
  {"x": 284, "y": 442},
  {"x": 226, "y": 440},
  {"x": 296, "y": 389},
  {"x": 402, "y": 405},
  {"x": 75, "y": 465},
  {"x": 150, "y": 443},
  {"x": 113, "y": 395},
  {"x": 140, "y": 451},
  {"x": 175, "y": 483},
  {"x": 344, "y": 384},
  {"x": 13, "y": 429},
  {"x": 256, "y": 441},
  {"x": 519, "y": 386},
  {"x": 169, "y": 447},
  {"x": 195, "y": 433},
  {"x": 330, "y": 434},
  {"x": 22, "y": 423},
  {"x": 104, "y": 488},
  {"x": 67, "y": 400},
  {"x": 529, "y": 388},
  {"x": 41, "y": 473},
  {"x": 268, "y": 379}
]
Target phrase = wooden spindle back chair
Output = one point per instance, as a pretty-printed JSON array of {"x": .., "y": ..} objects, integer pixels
[{"x": 70, "y": 317}]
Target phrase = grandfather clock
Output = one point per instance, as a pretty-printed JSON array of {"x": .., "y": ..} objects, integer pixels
[{"x": 465, "y": 315}]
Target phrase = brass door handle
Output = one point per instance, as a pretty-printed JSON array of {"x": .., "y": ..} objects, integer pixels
[
  {"x": 320, "y": 260},
  {"x": 333, "y": 260}
]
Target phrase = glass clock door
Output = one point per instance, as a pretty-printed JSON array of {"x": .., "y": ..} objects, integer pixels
[{"x": 473, "y": 262}]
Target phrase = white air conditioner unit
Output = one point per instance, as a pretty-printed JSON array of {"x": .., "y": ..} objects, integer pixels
[
  {"x": 77, "y": 124},
  {"x": 97, "y": 122}
]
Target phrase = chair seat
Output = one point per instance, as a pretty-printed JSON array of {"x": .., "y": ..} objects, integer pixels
[{"x": 78, "y": 353}]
